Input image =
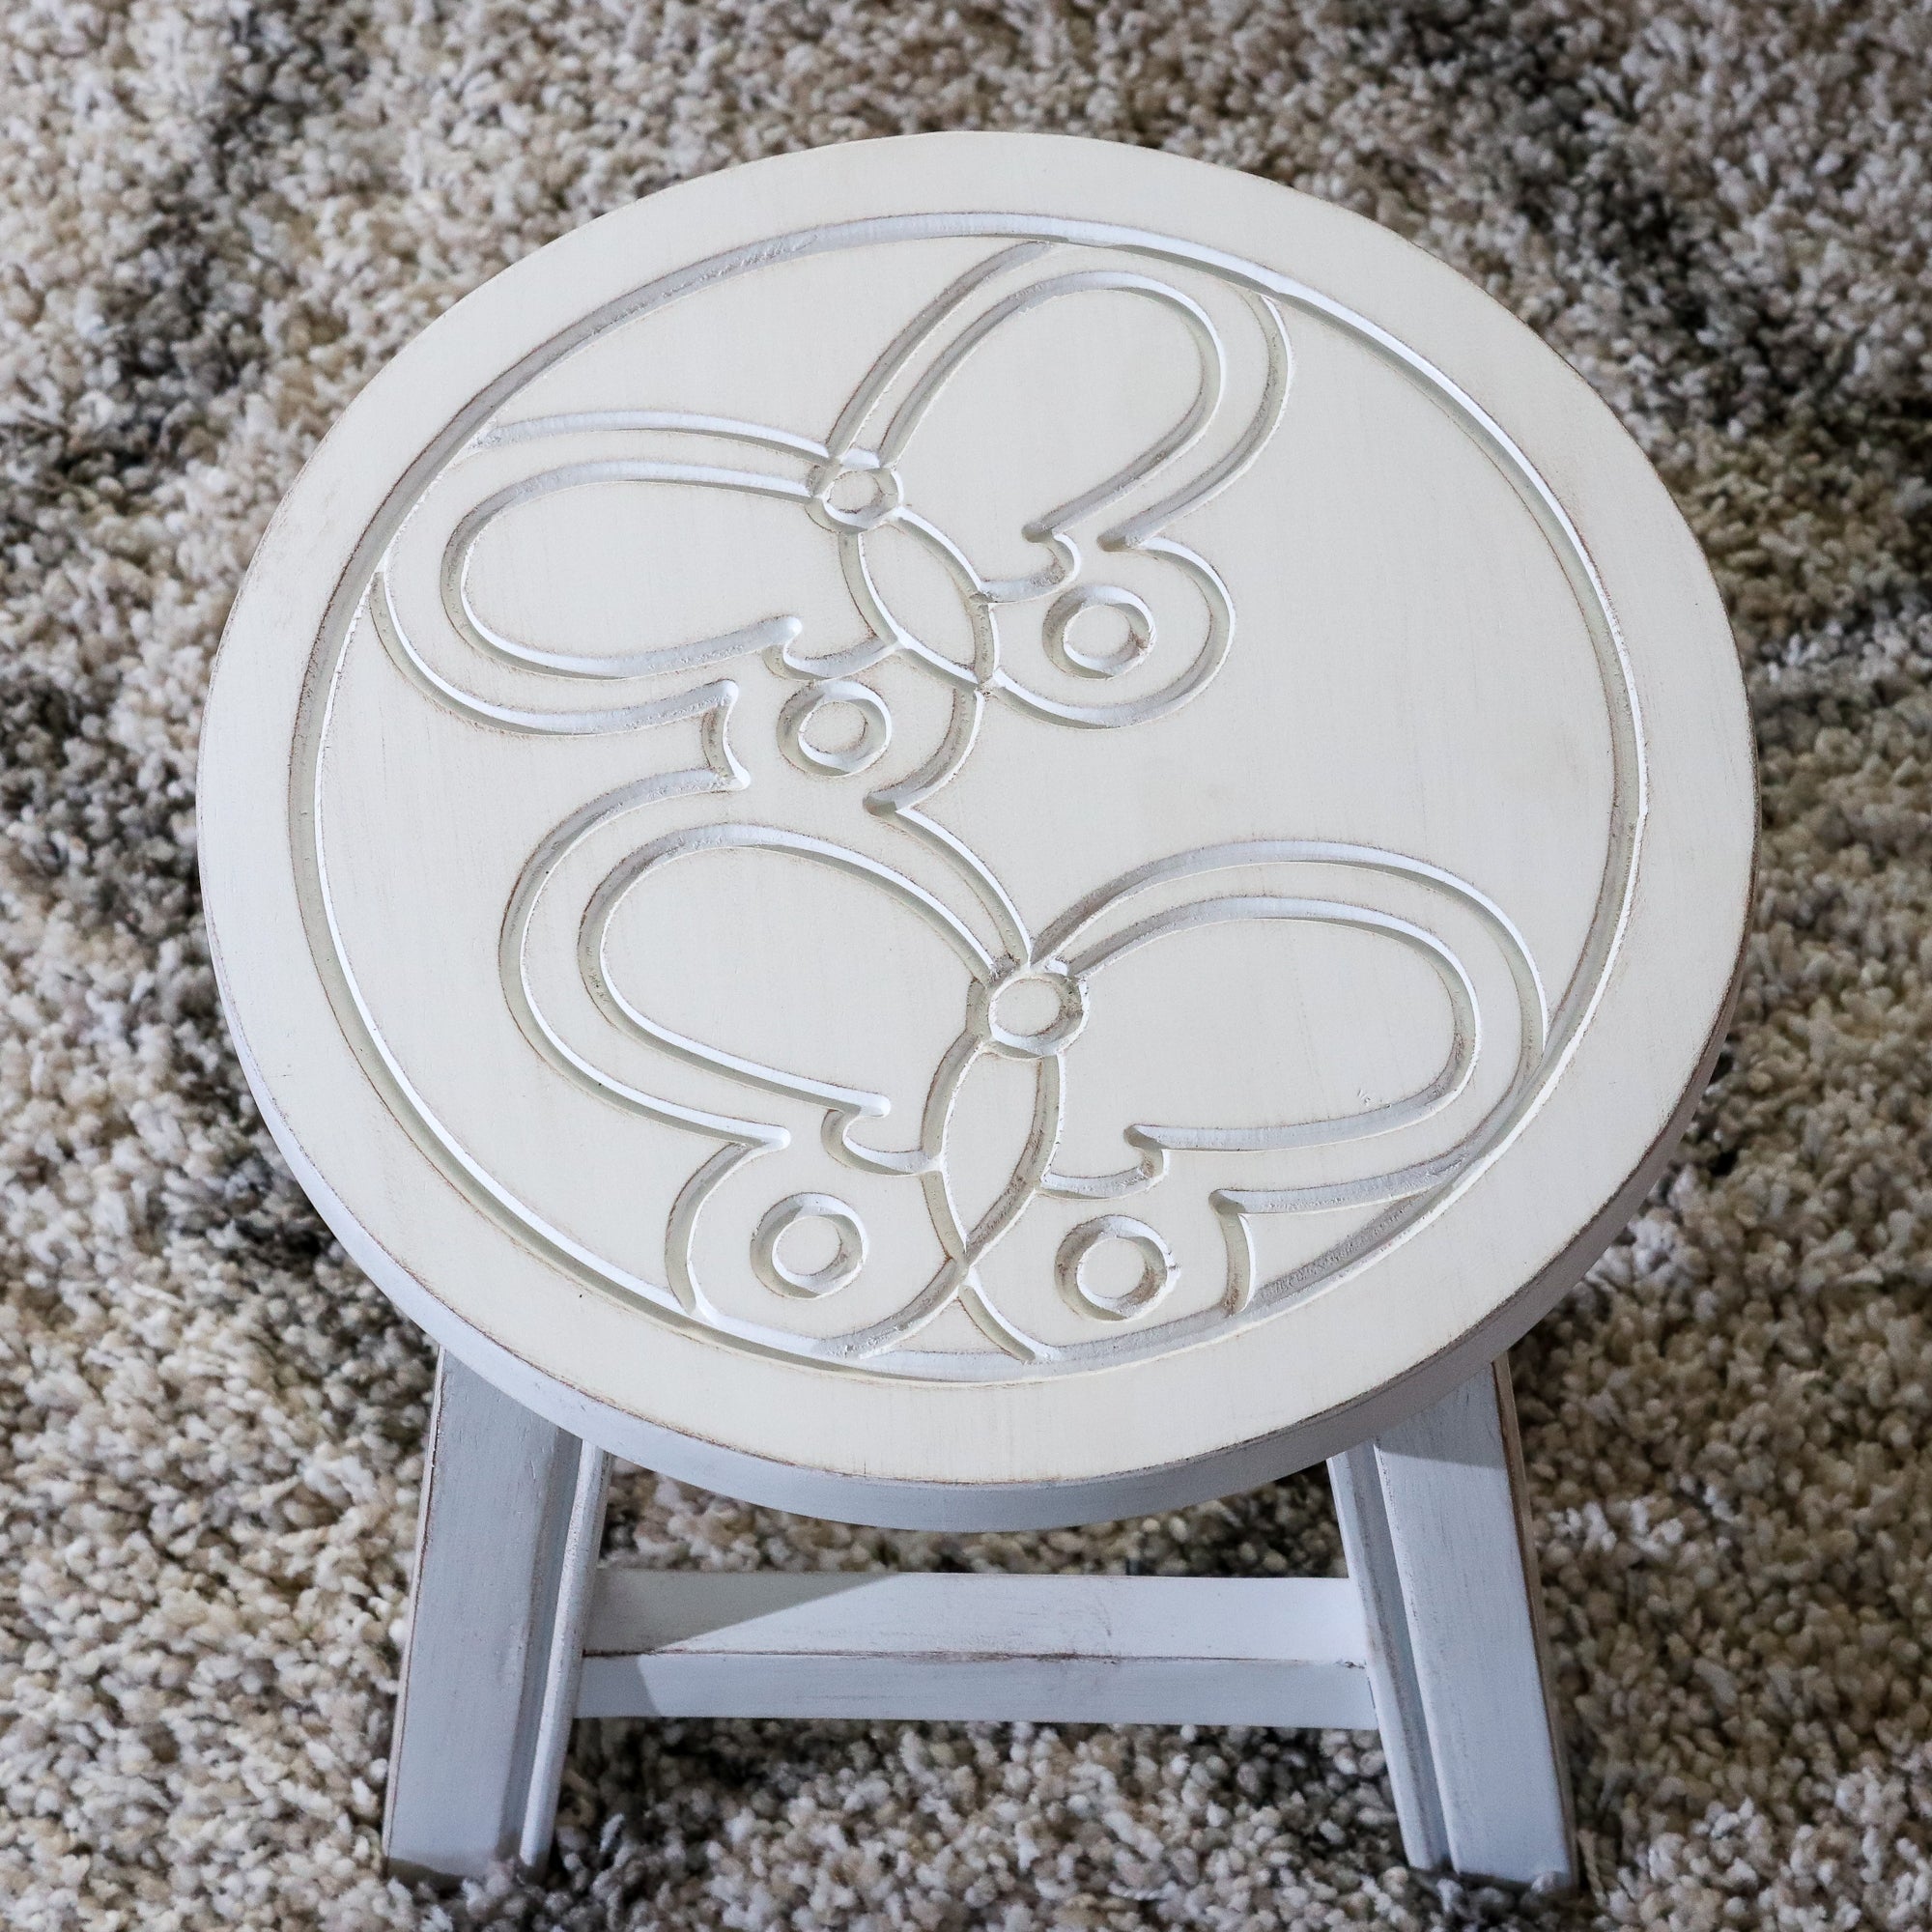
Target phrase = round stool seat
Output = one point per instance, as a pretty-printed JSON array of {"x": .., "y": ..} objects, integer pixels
[{"x": 979, "y": 830}]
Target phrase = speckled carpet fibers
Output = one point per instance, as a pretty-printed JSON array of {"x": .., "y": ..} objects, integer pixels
[{"x": 216, "y": 221}]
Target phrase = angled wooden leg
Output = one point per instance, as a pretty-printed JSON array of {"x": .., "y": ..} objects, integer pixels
[
  {"x": 1433, "y": 1522},
  {"x": 1357, "y": 1485},
  {"x": 506, "y": 1547}
]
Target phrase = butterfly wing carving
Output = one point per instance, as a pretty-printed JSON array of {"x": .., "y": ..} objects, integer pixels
[
  {"x": 1000, "y": 458},
  {"x": 1278, "y": 1030},
  {"x": 999, "y": 512}
]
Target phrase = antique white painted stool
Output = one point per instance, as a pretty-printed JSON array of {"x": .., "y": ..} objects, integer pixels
[{"x": 977, "y": 831}]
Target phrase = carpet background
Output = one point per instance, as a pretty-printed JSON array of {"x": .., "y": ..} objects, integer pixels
[{"x": 216, "y": 219}]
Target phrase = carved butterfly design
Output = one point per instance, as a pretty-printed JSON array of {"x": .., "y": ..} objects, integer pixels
[{"x": 1080, "y": 608}]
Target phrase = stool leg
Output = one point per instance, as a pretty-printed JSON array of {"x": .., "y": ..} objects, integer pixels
[
  {"x": 506, "y": 1547},
  {"x": 1433, "y": 1521}
]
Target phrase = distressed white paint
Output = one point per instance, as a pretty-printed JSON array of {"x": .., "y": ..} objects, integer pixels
[
  {"x": 490, "y": 1659},
  {"x": 1121, "y": 1650},
  {"x": 976, "y": 831},
  {"x": 576, "y": 1579},
  {"x": 1432, "y": 1639},
  {"x": 1459, "y": 1641},
  {"x": 1355, "y": 1480},
  {"x": 1301, "y": 575}
]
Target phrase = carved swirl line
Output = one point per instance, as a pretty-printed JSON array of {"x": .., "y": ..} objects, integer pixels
[
  {"x": 594, "y": 938},
  {"x": 899, "y": 351},
  {"x": 777, "y": 631},
  {"x": 414, "y": 666},
  {"x": 686, "y": 423},
  {"x": 1180, "y": 436},
  {"x": 1448, "y": 1082}
]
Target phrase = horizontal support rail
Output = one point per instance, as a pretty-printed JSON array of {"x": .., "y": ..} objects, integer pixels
[{"x": 1108, "y": 1650}]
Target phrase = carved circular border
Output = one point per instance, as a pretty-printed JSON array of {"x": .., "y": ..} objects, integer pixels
[
  {"x": 527, "y": 1223},
  {"x": 524, "y": 1308}
]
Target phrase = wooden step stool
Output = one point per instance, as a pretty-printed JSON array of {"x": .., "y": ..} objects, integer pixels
[{"x": 977, "y": 831}]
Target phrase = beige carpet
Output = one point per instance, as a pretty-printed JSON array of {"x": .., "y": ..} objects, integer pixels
[{"x": 215, "y": 221}]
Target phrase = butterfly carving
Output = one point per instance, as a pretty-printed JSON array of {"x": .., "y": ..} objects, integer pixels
[{"x": 830, "y": 737}]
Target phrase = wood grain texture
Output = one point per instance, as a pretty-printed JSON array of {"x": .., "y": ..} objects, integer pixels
[{"x": 1156, "y": 870}]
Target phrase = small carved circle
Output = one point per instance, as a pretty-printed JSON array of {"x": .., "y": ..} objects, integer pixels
[
  {"x": 1158, "y": 1270},
  {"x": 806, "y": 1284},
  {"x": 1067, "y": 610},
  {"x": 855, "y": 492},
  {"x": 1030, "y": 1012},
  {"x": 808, "y": 707}
]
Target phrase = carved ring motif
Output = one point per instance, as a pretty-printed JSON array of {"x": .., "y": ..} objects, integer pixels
[
  {"x": 785, "y": 1215},
  {"x": 1071, "y": 605},
  {"x": 1158, "y": 1273},
  {"x": 842, "y": 761},
  {"x": 850, "y": 483}
]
